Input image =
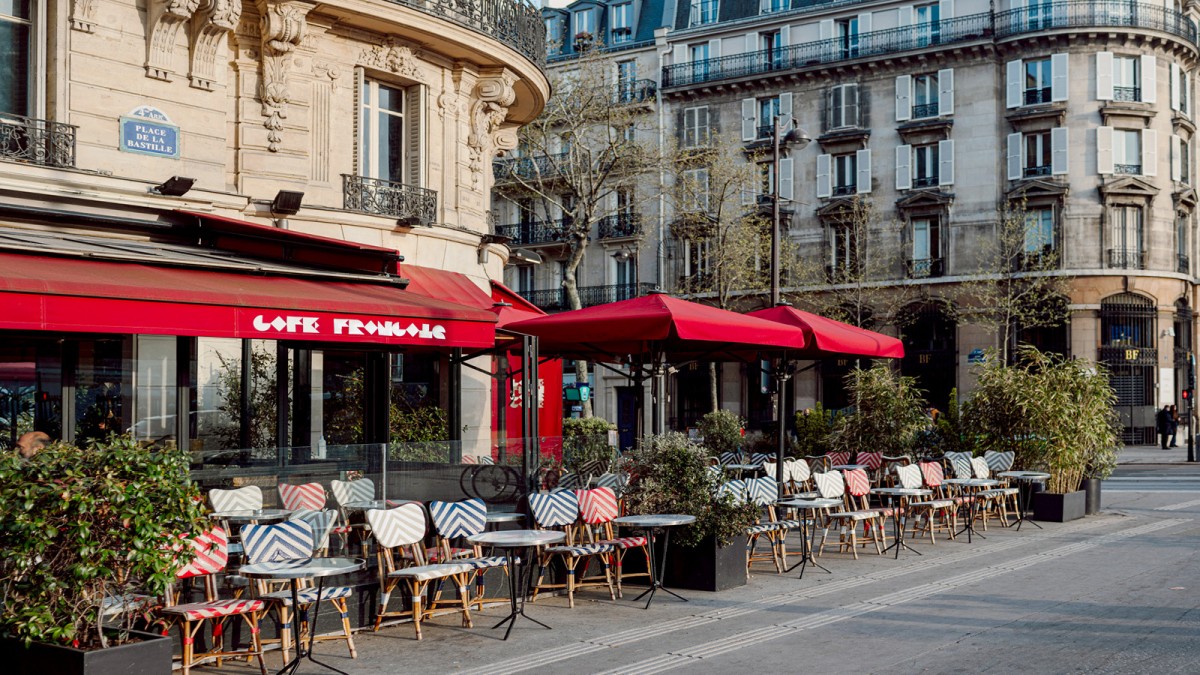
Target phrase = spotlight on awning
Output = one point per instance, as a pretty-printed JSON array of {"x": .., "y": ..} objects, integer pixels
[
  {"x": 175, "y": 186},
  {"x": 287, "y": 202}
]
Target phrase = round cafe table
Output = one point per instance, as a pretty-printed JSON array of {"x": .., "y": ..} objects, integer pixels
[
  {"x": 294, "y": 571},
  {"x": 1023, "y": 496},
  {"x": 495, "y": 518},
  {"x": 652, "y": 524},
  {"x": 903, "y": 493},
  {"x": 803, "y": 502},
  {"x": 975, "y": 484},
  {"x": 521, "y": 566}
]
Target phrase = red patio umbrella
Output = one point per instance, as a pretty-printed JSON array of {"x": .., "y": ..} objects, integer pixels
[{"x": 826, "y": 337}]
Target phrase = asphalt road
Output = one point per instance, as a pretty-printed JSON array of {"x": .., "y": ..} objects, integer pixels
[{"x": 1113, "y": 593}]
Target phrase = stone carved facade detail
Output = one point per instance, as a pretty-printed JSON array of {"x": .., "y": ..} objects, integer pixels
[
  {"x": 327, "y": 71},
  {"x": 213, "y": 20},
  {"x": 166, "y": 18},
  {"x": 83, "y": 15},
  {"x": 282, "y": 27},
  {"x": 489, "y": 135},
  {"x": 393, "y": 57}
]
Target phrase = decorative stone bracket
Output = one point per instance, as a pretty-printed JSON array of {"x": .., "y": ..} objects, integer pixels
[
  {"x": 208, "y": 21},
  {"x": 282, "y": 24},
  {"x": 490, "y": 136}
]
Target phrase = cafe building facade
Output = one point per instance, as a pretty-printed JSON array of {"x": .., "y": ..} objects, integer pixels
[{"x": 257, "y": 228}]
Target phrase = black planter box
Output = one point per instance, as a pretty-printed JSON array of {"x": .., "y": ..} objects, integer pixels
[
  {"x": 706, "y": 567},
  {"x": 150, "y": 655},
  {"x": 1091, "y": 486},
  {"x": 1055, "y": 507}
]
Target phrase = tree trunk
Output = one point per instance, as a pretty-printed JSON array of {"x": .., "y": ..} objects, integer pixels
[
  {"x": 714, "y": 382},
  {"x": 571, "y": 290}
]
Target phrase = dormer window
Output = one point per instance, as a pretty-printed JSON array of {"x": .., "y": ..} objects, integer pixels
[
  {"x": 622, "y": 22},
  {"x": 554, "y": 38},
  {"x": 584, "y": 24},
  {"x": 702, "y": 13}
]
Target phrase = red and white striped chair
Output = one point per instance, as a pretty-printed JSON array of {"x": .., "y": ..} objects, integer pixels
[
  {"x": 597, "y": 509},
  {"x": 309, "y": 496},
  {"x": 560, "y": 511},
  {"x": 838, "y": 458},
  {"x": 925, "y": 512},
  {"x": 873, "y": 462},
  {"x": 854, "y": 493},
  {"x": 209, "y": 555}
]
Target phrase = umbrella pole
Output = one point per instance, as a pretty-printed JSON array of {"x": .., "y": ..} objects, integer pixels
[
  {"x": 781, "y": 378},
  {"x": 639, "y": 418}
]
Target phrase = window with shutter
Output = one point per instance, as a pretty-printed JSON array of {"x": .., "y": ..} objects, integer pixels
[
  {"x": 1127, "y": 152},
  {"x": 843, "y": 106},
  {"x": 695, "y": 127},
  {"x": 925, "y": 165},
  {"x": 1126, "y": 80},
  {"x": 928, "y": 24},
  {"x": 926, "y": 93},
  {"x": 1038, "y": 154},
  {"x": 845, "y": 174},
  {"x": 1038, "y": 79}
]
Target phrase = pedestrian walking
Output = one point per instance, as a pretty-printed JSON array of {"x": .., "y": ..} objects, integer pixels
[
  {"x": 1174, "y": 424},
  {"x": 1162, "y": 422}
]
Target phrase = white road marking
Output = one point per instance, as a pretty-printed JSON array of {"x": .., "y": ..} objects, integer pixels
[{"x": 1179, "y": 507}]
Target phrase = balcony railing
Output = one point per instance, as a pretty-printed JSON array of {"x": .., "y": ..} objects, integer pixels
[
  {"x": 844, "y": 190},
  {"x": 923, "y": 110},
  {"x": 1127, "y": 94},
  {"x": 1034, "y": 171},
  {"x": 925, "y": 181},
  {"x": 517, "y": 24},
  {"x": 529, "y": 168},
  {"x": 1127, "y": 169},
  {"x": 1126, "y": 258},
  {"x": 26, "y": 139},
  {"x": 1183, "y": 265},
  {"x": 537, "y": 232},
  {"x": 636, "y": 91},
  {"x": 555, "y": 299},
  {"x": 1037, "y": 260},
  {"x": 1046, "y": 16},
  {"x": 1038, "y": 95},
  {"x": 925, "y": 268},
  {"x": 403, "y": 202},
  {"x": 621, "y": 225},
  {"x": 765, "y": 131}
]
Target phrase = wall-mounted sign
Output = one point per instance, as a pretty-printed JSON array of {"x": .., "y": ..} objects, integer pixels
[
  {"x": 148, "y": 131},
  {"x": 975, "y": 356}
]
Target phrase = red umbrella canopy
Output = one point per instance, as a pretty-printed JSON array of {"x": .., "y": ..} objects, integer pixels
[
  {"x": 658, "y": 323},
  {"x": 826, "y": 337}
]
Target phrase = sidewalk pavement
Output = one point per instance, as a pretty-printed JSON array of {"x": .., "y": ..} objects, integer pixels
[{"x": 1154, "y": 454}]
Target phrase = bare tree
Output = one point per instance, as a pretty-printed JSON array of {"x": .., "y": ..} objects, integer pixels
[
  {"x": 576, "y": 156},
  {"x": 1017, "y": 286}
]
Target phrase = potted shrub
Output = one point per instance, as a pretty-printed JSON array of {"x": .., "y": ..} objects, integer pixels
[
  {"x": 722, "y": 431},
  {"x": 813, "y": 428},
  {"x": 77, "y": 526},
  {"x": 585, "y": 444},
  {"x": 889, "y": 412},
  {"x": 669, "y": 474}
]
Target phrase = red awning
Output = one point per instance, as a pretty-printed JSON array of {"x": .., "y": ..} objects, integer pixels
[
  {"x": 78, "y": 295},
  {"x": 827, "y": 337},
  {"x": 519, "y": 308},
  {"x": 444, "y": 285}
]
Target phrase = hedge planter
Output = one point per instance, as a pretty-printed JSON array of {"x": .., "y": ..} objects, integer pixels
[
  {"x": 1055, "y": 507},
  {"x": 148, "y": 654},
  {"x": 706, "y": 566},
  {"x": 1091, "y": 486}
]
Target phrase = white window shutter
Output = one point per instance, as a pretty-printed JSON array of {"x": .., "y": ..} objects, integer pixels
[
  {"x": 903, "y": 167},
  {"x": 1014, "y": 156},
  {"x": 851, "y": 112},
  {"x": 679, "y": 54},
  {"x": 714, "y": 49},
  {"x": 1174, "y": 88},
  {"x": 1176, "y": 157},
  {"x": 785, "y": 105},
  {"x": 825, "y": 29},
  {"x": 749, "y": 119},
  {"x": 905, "y": 16},
  {"x": 946, "y": 162},
  {"x": 785, "y": 36},
  {"x": 864, "y": 23},
  {"x": 945, "y": 9},
  {"x": 415, "y": 104},
  {"x": 1014, "y": 80},
  {"x": 787, "y": 180},
  {"x": 824, "y": 177},
  {"x": 946, "y": 91},
  {"x": 1149, "y": 66},
  {"x": 862, "y": 159},
  {"x": 751, "y": 43},
  {"x": 903, "y": 98},
  {"x": 1149, "y": 152},
  {"x": 1104, "y": 150},
  {"x": 1104, "y": 76},
  {"x": 1059, "y": 77},
  {"x": 1059, "y": 150}
]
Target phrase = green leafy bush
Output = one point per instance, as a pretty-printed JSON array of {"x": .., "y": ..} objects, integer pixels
[
  {"x": 80, "y": 524},
  {"x": 585, "y": 439},
  {"x": 722, "y": 431},
  {"x": 669, "y": 474},
  {"x": 813, "y": 429},
  {"x": 889, "y": 412}
]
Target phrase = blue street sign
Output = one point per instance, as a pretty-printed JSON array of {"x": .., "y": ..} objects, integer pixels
[{"x": 148, "y": 131}]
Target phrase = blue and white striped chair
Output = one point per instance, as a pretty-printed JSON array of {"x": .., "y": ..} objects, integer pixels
[
  {"x": 322, "y": 523},
  {"x": 560, "y": 511},
  {"x": 459, "y": 520},
  {"x": 960, "y": 464},
  {"x": 291, "y": 540},
  {"x": 400, "y": 535},
  {"x": 763, "y": 492},
  {"x": 994, "y": 497}
]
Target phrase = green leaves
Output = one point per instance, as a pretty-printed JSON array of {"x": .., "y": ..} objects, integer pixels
[
  {"x": 79, "y": 523},
  {"x": 889, "y": 412},
  {"x": 722, "y": 431}
]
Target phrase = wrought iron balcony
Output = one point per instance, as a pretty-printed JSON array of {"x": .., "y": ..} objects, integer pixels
[
  {"x": 1126, "y": 258},
  {"x": 1127, "y": 94},
  {"x": 537, "y": 232},
  {"x": 1034, "y": 171},
  {"x": 1183, "y": 265},
  {"x": 844, "y": 190},
  {"x": 1033, "y": 261},
  {"x": 925, "y": 181},
  {"x": 925, "y": 268},
  {"x": 555, "y": 299},
  {"x": 388, "y": 198},
  {"x": 765, "y": 131},
  {"x": 1066, "y": 14},
  {"x": 621, "y": 225},
  {"x": 1127, "y": 169},
  {"x": 26, "y": 139},
  {"x": 517, "y": 24},
  {"x": 529, "y": 168},
  {"x": 636, "y": 91},
  {"x": 924, "y": 110}
]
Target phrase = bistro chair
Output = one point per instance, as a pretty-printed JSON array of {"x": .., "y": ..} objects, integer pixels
[
  {"x": 960, "y": 463},
  {"x": 854, "y": 493},
  {"x": 993, "y": 497},
  {"x": 760, "y": 458},
  {"x": 873, "y": 462},
  {"x": 210, "y": 554},
  {"x": 291, "y": 540},
  {"x": 998, "y": 460},
  {"x": 403, "y": 528},
  {"x": 838, "y": 458},
  {"x": 309, "y": 496},
  {"x": 248, "y": 498},
  {"x": 560, "y": 511},
  {"x": 763, "y": 492},
  {"x": 597, "y": 509},
  {"x": 323, "y": 523},
  {"x": 798, "y": 475},
  {"x": 349, "y": 492},
  {"x": 935, "y": 478},
  {"x": 924, "y": 513},
  {"x": 459, "y": 520}
]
